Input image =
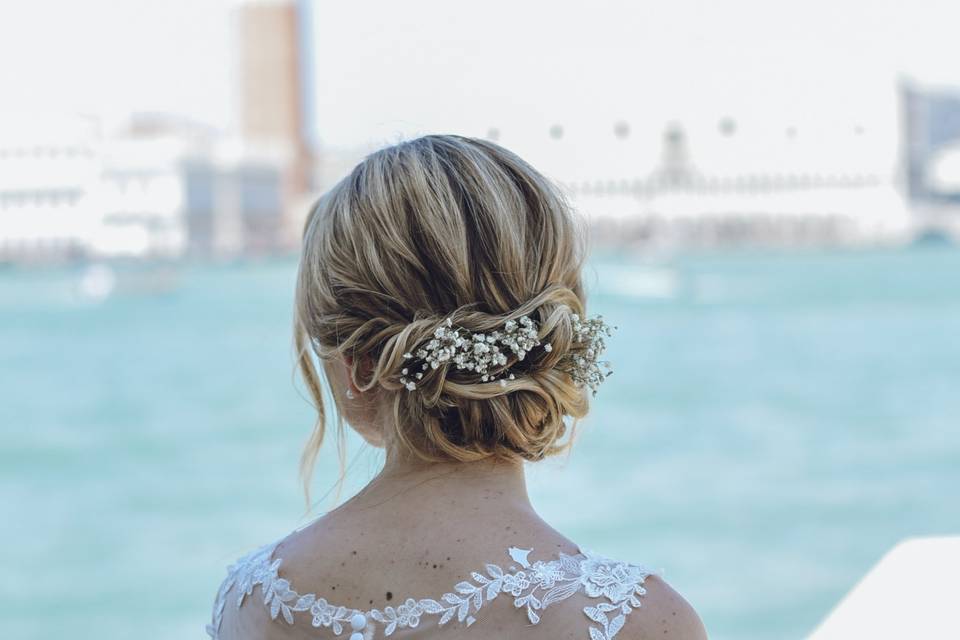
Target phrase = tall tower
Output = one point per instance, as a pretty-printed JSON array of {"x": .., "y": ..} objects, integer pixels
[
  {"x": 675, "y": 171},
  {"x": 272, "y": 69}
]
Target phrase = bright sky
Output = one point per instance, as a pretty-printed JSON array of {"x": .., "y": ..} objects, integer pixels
[{"x": 389, "y": 69}]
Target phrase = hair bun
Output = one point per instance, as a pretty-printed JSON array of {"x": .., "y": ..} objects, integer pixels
[{"x": 446, "y": 238}]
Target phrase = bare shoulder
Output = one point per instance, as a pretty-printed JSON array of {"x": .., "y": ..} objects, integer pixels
[{"x": 663, "y": 614}]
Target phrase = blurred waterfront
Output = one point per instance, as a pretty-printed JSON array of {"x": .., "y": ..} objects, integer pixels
[
  {"x": 874, "y": 164},
  {"x": 777, "y": 421}
]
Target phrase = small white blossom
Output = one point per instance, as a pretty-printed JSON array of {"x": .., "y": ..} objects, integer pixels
[{"x": 587, "y": 371}]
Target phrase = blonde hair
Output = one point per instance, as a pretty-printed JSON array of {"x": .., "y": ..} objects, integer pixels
[{"x": 435, "y": 227}]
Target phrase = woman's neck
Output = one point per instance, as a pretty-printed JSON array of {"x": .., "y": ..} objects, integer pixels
[{"x": 477, "y": 485}]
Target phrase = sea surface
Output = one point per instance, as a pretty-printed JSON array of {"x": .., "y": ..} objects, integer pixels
[{"x": 775, "y": 423}]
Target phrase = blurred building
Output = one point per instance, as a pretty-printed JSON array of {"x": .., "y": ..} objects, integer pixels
[
  {"x": 50, "y": 190},
  {"x": 143, "y": 212},
  {"x": 163, "y": 187},
  {"x": 761, "y": 192},
  {"x": 931, "y": 142},
  {"x": 193, "y": 190},
  {"x": 159, "y": 186}
]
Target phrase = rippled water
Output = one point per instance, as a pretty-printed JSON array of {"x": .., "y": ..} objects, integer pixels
[{"x": 776, "y": 422}]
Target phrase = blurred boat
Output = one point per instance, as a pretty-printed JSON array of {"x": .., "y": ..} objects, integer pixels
[
  {"x": 97, "y": 282},
  {"x": 911, "y": 593},
  {"x": 100, "y": 281}
]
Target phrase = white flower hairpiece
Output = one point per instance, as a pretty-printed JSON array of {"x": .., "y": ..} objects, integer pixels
[
  {"x": 586, "y": 370},
  {"x": 481, "y": 352}
]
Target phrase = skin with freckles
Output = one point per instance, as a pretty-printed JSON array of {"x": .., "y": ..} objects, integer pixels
[{"x": 416, "y": 530}]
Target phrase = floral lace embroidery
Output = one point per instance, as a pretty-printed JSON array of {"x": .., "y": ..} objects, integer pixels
[{"x": 534, "y": 587}]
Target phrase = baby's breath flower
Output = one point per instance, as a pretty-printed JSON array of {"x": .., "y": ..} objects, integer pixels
[
  {"x": 586, "y": 370},
  {"x": 482, "y": 352}
]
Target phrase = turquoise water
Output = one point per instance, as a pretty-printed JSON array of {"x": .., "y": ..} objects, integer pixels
[{"x": 775, "y": 423}]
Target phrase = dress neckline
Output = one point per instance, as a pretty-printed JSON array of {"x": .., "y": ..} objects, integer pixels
[{"x": 533, "y": 585}]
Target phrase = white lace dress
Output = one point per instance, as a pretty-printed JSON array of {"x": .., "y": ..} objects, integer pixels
[{"x": 616, "y": 586}]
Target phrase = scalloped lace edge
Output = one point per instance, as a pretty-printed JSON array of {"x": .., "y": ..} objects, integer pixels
[{"x": 533, "y": 586}]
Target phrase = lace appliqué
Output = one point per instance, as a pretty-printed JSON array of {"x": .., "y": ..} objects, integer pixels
[{"x": 534, "y": 587}]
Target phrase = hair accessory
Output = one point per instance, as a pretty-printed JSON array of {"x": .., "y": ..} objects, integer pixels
[
  {"x": 481, "y": 352},
  {"x": 586, "y": 370}
]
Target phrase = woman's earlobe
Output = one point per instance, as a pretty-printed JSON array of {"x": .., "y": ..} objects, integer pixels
[{"x": 353, "y": 391}]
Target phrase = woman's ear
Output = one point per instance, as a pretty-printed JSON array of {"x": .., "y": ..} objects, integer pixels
[
  {"x": 352, "y": 390},
  {"x": 361, "y": 408},
  {"x": 364, "y": 372}
]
